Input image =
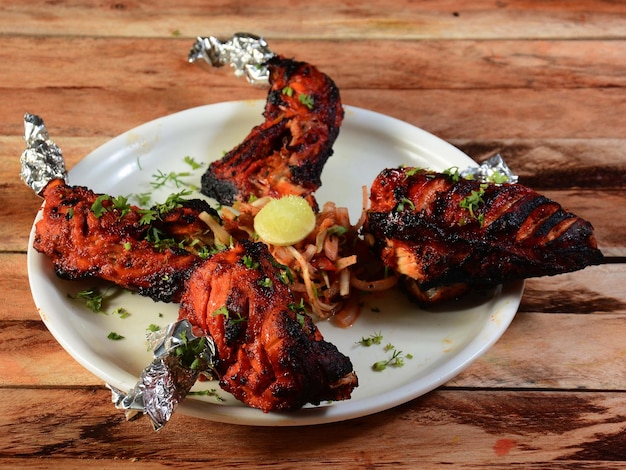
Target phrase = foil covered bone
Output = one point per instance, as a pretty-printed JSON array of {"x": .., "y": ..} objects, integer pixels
[
  {"x": 42, "y": 161},
  {"x": 246, "y": 53},
  {"x": 494, "y": 169},
  {"x": 180, "y": 358}
]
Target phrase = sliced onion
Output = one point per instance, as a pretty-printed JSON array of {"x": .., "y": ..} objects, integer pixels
[{"x": 348, "y": 314}]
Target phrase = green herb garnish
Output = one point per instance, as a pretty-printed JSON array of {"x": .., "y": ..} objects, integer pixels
[
  {"x": 192, "y": 163},
  {"x": 473, "y": 201},
  {"x": 306, "y": 100},
  {"x": 113, "y": 336},
  {"x": 396, "y": 360},
  {"x": 403, "y": 202},
  {"x": 375, "y": 338},
  {"x": 93, "y": 299}
]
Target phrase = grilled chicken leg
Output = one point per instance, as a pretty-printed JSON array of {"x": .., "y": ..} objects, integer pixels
[
  {"x": 271, "y": 355},
  {"x": 286, "y": 153}
]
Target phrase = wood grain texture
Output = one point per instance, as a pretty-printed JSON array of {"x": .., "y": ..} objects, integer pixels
[
  {"x": 541, "y": 82},
  {"x": 501, "y": 427},
  {"x": 485, "y": 19},
  {"x": 466, "y": 64}
]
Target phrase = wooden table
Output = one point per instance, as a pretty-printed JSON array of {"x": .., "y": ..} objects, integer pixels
[{"x": 543, "y": 83}]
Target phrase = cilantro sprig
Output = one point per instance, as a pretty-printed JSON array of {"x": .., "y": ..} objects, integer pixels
[{"x": 396, "y": 359}]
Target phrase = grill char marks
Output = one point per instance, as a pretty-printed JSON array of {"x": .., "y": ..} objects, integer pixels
[
  {"x": 287, "y": 152},
  {"x": 423, "y": 231},
  {"x": 270, "y": 356},
  {"x": 113, "y": 247}
]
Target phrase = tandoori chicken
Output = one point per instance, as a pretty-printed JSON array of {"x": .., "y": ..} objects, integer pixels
[
  {"x": 287, "y": 152},
  {"x": 271, "y": 355},
  {"x": 89, "y": 235},
  {"x": 445, "y": 234}
]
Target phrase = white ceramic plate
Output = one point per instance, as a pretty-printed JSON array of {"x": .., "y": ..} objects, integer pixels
[{"x": 442, "y": 343}]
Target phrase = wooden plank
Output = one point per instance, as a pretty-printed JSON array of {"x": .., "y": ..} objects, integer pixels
[
  {"x": 17, "y": 300},
  {"x": 450, "y": 114},
  {"x": 486, "y": 19},
  {"x": 160, "y": 63},
  {"x": 556, "y": 351},
  {"x": 596, "y": 289},
  {"x": 462, "y": 427},
  {"x": 30, "y": 356}
]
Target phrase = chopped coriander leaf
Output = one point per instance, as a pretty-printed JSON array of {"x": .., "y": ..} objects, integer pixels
[
  {"x": 267, "y": 282},
  {"x": 155, "y": 236},
  {"x": 93, "y": 299},
  {"x": 192, "y": 163},
  {"x": 403, "y": 202},
  {"x": 498, "y": 178},
  {"x": 161, "y": 179},
  {"x": 147, "y": 216},
  {"x": 189, "y": 351},
  {"x": 143, "y": 199},
  {"x": 285, "y": 275},
  {"x": 287, "y": 91},
  {"x": 207, "y": 393},
  {"x": 153, "y": 328},
  {"x": 472, "y": 201},
  {"x": 120, "y": 203},
  {"x": 297, "y": 308},
  {"x": 396, "y": 360},
  {"x": 221, "y": 311},
  {"x": 453, "y": 174},
  {"x": 97, "y": 208},
  {"x": 173, "y": 201},
  {"x": 306, "y": 100},
  {"x": 127, "y": 246},
  {"x": 121, "y": 312},
  {"x": 375, "y": 338},
  {"x": 239, "y": 318},
  {"x": 249, "y": 263},
  {"x": 411, "y": 172},
  {"x": 113, "y": 336}
]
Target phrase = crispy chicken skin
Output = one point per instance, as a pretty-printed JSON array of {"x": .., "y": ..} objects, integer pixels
[
  {"x": 83, "y": 243},
  {"x": 287, "y": 152},
  {"x": 271, "y": 356},
  {"x": 426, "y": 228}
]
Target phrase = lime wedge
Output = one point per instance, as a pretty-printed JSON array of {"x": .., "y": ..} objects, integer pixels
[{"x": 284, "y": 221}]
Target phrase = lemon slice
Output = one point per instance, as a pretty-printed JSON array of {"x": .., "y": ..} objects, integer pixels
[{"x": 284, "y": 221}]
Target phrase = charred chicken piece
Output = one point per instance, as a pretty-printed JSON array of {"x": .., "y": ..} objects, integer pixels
[
  {"x": 271, "y": 356},
  {"x": 87, "y": 236},
  {"x": 447, "y": 235},
  {"x": 286, "y": 153}
]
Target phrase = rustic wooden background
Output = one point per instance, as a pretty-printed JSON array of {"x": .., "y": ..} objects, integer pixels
[{"x": 542, "y": 82}]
